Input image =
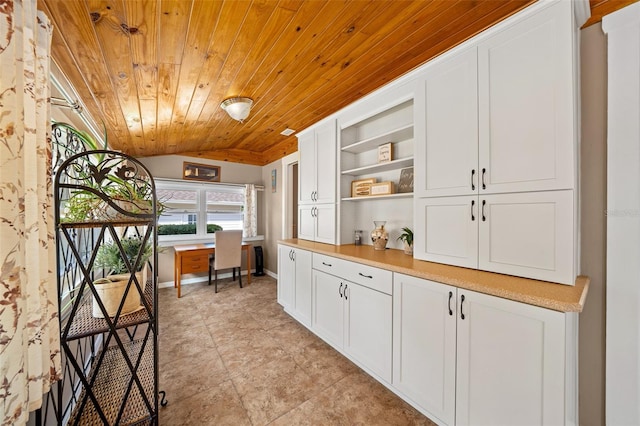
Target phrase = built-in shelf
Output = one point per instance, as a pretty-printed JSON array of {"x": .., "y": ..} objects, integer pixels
[
  {"x": 378, "y": 197},
  {"x": 395, "y": 135},
  {"x": 382, "y": 167}
]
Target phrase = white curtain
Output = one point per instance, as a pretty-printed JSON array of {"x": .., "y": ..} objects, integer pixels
[
  {"x": 250, "y": 221},
  {"x": 29, "y": 328}
]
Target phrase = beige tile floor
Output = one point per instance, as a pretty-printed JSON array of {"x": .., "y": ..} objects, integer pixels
[{"x": 235, "y": 358}]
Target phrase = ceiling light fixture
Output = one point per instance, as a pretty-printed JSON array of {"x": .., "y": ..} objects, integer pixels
[{"x": 238, "y": 108}]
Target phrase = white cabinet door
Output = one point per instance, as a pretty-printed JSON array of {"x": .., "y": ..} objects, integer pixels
[
  {"x": 326, "y": 158},
  {"x": 526, "y": 104},
  {"x": 317, "y": 222},
  {"x": 286, "y": 276},
  {"x": 424, "y": 344},
  {"x": 446, "y": 230},
  {"x": 306, "y": 222},
  {"x": 325, "y": 227},
  {"x": 368, "y": 328},
  {"x": 528, "y": 235},
  {"x": 317, "y": 164},
  {"x": 510, "y": 363},
  {"x": 302, "y": 293},
  {"x": 327, "y": 319},
  {"x": 449, "y": 157},
  {"x": 306, "y": 168}
]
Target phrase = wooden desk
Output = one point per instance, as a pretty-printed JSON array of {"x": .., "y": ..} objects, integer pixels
[{"x": 192, "y": 258}]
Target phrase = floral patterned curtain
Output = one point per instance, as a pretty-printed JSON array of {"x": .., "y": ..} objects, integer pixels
[
  {"x": 29, "y": 327},
  {"x": 250, "y": 219}
]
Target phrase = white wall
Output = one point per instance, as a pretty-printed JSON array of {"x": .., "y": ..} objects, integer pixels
[
  {"x": 272, "y": 215},
  {"x": 623, "y": 217},
  {"x": 593, "y": 195}
]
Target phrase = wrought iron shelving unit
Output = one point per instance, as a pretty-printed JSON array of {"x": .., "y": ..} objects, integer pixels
[{"x": 110, "y": 361}]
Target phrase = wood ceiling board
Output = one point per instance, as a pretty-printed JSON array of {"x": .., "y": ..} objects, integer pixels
[
  {"x": 112, "y": 34},
  {"x": 303, "y": 25},
  {"x": 204, "y": 15},
  {"x": 228, "y": 47},
  {"x": 309, "y": 66},
  {"x": 299, "y": 60},
  {"x": 601, "y": 8},
  {"x": 77, "y": 53},
  {"x": 411, "y": 54},
  {"x": 336, "y": 76},
  {"x": 172, "y": 31}
]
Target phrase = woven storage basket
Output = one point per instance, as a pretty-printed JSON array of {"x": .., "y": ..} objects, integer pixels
[{"x": 111, "y": 290}]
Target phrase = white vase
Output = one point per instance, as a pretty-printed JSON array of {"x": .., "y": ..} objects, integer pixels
[{"x": 379, "y": 236}]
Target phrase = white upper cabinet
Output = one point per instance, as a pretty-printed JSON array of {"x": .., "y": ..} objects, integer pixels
[
  {"x": 448, "y": 158},
  {"x": 317, "y": 169},
  {"x": 500, "y": 116},
  {"x": 527, "y": 104}
]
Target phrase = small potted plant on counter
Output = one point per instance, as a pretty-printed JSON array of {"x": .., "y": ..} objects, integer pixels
[{"x": 407, "y": 238}]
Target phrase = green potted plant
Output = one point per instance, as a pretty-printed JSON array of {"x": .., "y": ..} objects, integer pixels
[
  {"x": 111, "y": 288},
  {"x": 407, "y": 237}
]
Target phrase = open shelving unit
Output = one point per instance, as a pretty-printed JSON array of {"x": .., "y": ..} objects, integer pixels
[
  {"x": 359, "y": 140},
  {"x": 110, "y": 360}
]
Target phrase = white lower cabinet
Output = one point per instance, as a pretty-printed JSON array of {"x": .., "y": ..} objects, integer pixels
[
  {"x": 511, "y": 363},
  {"x": 354, "y": 319},
  {"x": 467, "y": 358},
  {"x": 424, "y": 345},
  {"x": 524, "y": 234},
  {"x": 294, "y": 282}
]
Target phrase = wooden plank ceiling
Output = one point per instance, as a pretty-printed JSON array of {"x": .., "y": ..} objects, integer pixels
[{"x": 155, "y": 72}]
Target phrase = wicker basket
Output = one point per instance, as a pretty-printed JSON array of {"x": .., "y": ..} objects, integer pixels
[{"x": 111, "y": 289}]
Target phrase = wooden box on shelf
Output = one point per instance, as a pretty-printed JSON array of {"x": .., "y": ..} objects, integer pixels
[{"x": 362, "y": 187}]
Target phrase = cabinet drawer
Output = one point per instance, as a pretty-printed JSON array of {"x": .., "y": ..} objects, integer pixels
[
  {"x": 195, "y": 263},
  {"x": 368, "y": 276}
]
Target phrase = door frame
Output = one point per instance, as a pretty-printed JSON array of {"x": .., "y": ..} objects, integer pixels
[{"x": 288, "y": 178}]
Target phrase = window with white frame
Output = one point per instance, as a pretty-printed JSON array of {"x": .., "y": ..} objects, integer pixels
[{"x": 196, "y": 210}]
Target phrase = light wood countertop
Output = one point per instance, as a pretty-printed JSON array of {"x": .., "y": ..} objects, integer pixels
[{"x": 558, "y": 297}]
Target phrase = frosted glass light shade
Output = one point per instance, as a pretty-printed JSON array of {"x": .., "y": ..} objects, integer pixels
[{"x": 237, "y": 108}]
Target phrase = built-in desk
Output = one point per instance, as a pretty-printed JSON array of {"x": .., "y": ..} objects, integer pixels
[{"x": 192, "y": 258}]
